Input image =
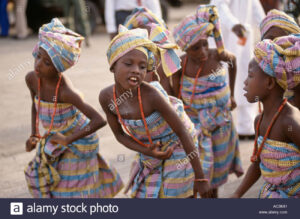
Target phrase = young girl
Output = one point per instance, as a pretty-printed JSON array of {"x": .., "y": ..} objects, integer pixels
[
  {"x": 276, "y": 155},
  {"x": 277, "y": 24},
  {"x": 206, "y": 95},
  {"x": 159, "y": 34},
  {"x": 167, "y": 165},
  {"x": 67, "y": 163}
]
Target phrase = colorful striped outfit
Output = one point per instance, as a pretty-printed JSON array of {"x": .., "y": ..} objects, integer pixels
[
  {"x": 280, "y": 168},
  {"x": 73, "y": 171},
  {"x": 210, "y": 112},
  {"x": 153, "y": 178}
]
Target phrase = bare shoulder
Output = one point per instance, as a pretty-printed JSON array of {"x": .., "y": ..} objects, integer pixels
[
  {"x": 105, "y": 96},
  {"x": 30, "y": 78},
  {"x": 67, "y": 90},
  {"x": 151, "y": 93},
  {"x": 291, "y": 117}
]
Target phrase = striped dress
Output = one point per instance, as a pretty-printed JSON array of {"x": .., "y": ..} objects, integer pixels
[
  {"x": 280, "y": 168},
  {"x": 153, "y": 178},
  {"x": 210, "y": 113},
  {"x": 75, "y": 171}
]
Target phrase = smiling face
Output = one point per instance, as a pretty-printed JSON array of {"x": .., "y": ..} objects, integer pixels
[
  {"x": 198, "y": 51},
  {"x": 275, "y": 32},
  {"x": 256, "y": 84},
  {"x": 130, "y": 69},
  {"x": 43, "y": 65}
]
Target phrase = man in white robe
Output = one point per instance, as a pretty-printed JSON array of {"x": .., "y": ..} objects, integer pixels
[{"x": 240, "y": 18}]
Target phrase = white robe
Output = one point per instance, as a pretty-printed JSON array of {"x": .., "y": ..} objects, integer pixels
[{"x": 248, "y": 13}]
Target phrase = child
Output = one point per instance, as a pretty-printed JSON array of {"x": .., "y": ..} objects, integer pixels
[
  {"x": 276, "y": 154},
  {"x": 67, "y": 163},
  {"x": 207, "y": 97},
  {"x": 159, "y": 34},
  {"x": 160, "y": 134},
  {"x": 277, "y": 24}
]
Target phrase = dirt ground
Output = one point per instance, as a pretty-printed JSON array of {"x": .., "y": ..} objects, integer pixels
[{"x": 90, "y": 75}]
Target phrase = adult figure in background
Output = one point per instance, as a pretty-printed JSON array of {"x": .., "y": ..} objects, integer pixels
[
  {"x": 21, "y": 19},
  {"x": 80, "y": 12},
  {"x": 4, "y": 24},
  {"x": 270, "y": 4},
  {"x": 238, "y": 20},
  {"x": 116, "y": 12}
]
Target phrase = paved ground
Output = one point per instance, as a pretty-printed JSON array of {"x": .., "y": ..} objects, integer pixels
[{"x": 90, "y": 75}]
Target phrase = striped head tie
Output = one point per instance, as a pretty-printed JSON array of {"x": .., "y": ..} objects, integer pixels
[
  {"x": 61, "y": 44},
  {"x": 128, "y": 40},
  {"x": 280, "y": 59},
  {"x": 203, "y": 24},
  {"x": 279, "y": 19},
  {"x": 159, "y": 34}
]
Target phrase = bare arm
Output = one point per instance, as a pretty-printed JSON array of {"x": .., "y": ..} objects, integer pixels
[
  {"x": 96, "y": 120},
  {"x": 230, "y": 59},
  {"x": 30, "y": 84},
  {"x": 252, "y": 175},
  {"x": 291, "y": 127},
  {"x": 169, "y": 114}
]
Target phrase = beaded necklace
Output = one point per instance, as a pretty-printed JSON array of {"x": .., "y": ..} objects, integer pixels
[
  {"x": 195, "y": 82},
  {"x": 38, "y": 111},
  {"x": 142, "y": 114},
  {"x": 256, "y": 150}
]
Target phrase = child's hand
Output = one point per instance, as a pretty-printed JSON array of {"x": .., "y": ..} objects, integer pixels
[
  {"x": 31, "y": 143},
  {"x": 233, "y": 103},
  {"x": 156, "y": 153},
  {"x": 59, "y": 138},
  {"x": 203, "y": 189}
]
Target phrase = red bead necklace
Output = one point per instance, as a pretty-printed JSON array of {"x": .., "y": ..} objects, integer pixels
[
  {"x": 142, "y": 114},
  {"x": 38, "y": 111},
  {"x": 256, "y": 150},
  {"x": 195, "y": 82}
]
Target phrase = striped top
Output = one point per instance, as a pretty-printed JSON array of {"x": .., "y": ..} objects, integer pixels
[
  {"x": 212, "y": 97},
  {"x": 72, "y": 171},
  {"x": 154, "y": 178},
  {"x": 159, "y": 129},
  {"x": 280, "y": 167},
  {"x": 210, "y": 113}
]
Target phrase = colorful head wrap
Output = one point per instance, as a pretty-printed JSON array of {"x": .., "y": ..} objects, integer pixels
[
  {"x": 159, "y": 34},
  {"x": 203, "y": 24},
  {"x": 279, "y": 19},
  {"x": 128, "y": 40},
  {"x": 62, "y": 45},
  {"x": 142, "y": 16},
  {"x": 280, "y": 59}
]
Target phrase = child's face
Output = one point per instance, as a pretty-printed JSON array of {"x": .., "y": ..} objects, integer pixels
[
  {"x": 256, "y": 83},
  {"x": 43, "y": 65},
  {"x": 198, "y": 51},
  {"x": 130, "y": 69},
  {"x": 275, "y": 32}
]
